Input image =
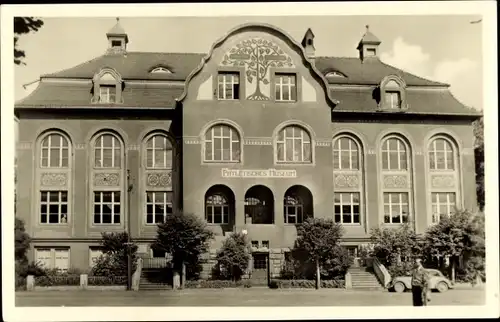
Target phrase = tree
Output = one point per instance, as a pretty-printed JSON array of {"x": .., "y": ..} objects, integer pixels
[
  {"x": 258, "y": 55},
  {"x": 114, "y": 260},
  {"x": 233, "y": 257},
  {"x": 185, "y": 237},
  {"x": 23, "y": 25},
  {"x": 395, "y": 245},
  {"x": 479, "y": 160},
  {"x": 320, "y": 238},
  {"x": 22, "y": 241},
  {"x": 456, "y": 236}
]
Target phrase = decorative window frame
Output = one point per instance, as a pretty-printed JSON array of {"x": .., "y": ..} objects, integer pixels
[
  {"x": 383, "y": 105},
  {"x": 98, "y": 81},
  {"x": 53, "y": 179},
  {"x": 240, "y": 70},
  {"x": 107, "y": 180},
  {"x": 304, "y": 127},
  {"x": 156, "y": 179},
  {"x": 273, "y": 72},
  {"x": 351, "y": 180},
  {"x": 160, "y": 69},
  {"x": 202, "y": 137},
  {"x": 397, "y": 180},
  {"x": 443, "y": 180}
]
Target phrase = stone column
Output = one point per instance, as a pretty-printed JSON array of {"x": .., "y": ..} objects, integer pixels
[
  {"x": 30, "y": 283},
  {"x": 83, "y": 281},
  {"x": 348, "y": 281}
]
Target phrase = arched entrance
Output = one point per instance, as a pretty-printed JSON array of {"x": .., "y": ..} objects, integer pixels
[
  {"x": 297, "y": 205},
  {"x": 259, "y": 205},
  {"x": 219, "y": 206}
]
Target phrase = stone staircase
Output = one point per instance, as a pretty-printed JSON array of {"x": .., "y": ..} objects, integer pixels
[
  {"x": 364, "y": 279},
  {"x": 145, "y": 284}
]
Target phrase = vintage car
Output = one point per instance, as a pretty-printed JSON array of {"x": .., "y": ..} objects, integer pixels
[{"x": 437, "y": 281}]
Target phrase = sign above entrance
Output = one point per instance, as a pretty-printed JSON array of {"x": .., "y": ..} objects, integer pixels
[{"x": 265, "y": 173}]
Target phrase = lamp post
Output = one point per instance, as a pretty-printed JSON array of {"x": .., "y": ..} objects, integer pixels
[{"x": 130, "y": 186}]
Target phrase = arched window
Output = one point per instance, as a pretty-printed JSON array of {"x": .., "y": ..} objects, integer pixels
[
  {"x": 294, "y": 145},
  {"x": 345, "y": 154},
  {"x": 394, "y": 154},
  {"x": 158, "y": 152},
  {"x": 54, "y": 151},
  {"x": 441, "y": 155},
  {"x": 218, "y": 205},
  {"x": 259, "y": 205},
  {"x": 222, "y": 144},
  {"x": 298, "y": 205},
  {"x": 107, "y": 151}
]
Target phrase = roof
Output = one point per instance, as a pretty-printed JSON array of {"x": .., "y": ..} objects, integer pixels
[{"x": 369, "y": 38}]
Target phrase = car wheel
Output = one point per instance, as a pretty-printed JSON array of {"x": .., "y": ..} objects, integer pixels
[
  {"x": 399, "y": 287},
  {"x": 442, "y": 287}
]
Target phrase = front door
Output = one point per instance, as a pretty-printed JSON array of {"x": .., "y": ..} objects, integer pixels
[{"x": 260, "y": 268}]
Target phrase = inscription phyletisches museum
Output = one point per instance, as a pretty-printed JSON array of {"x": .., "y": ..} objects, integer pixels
[
  {"x": 265, "y": 173},
  {"x": 258, "y": 55}
]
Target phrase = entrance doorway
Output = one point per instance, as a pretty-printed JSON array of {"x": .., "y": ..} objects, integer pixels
[{"x": 260, "y": 269}]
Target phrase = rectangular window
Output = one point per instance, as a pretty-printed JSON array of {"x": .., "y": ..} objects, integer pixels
[
  {"x": 370, "y": 52},
  {"x": 228, "y": 85},
  {"x": 158, "y": 206},
  {"x": 285, "y": 88},
  {"x": 396, "y": 207},
  {"x": 116, "y": 43},
  {"x": 94, "y": 254},
  {"x": 255, "y": 243},
  {"x": 53, "y": 258},
  {"x": 106, "y": 207},
  {"x": 53, "y": 207},
  {"x": 347, "y": 208},
  {"x": 265, "y": 244},
  {"x": 393, "y": 99},
  {"x": 443, "y": 204},
  {"x": 107, "y": 94}
]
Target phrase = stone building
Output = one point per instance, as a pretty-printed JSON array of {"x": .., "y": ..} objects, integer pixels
[{"x": 256, "y": 135}]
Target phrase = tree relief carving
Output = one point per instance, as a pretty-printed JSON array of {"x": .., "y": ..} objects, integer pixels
[
  {"x": 106, "y": 179},
  {"x": 346, "y": 181},
  {"x": 159, "y": 179},
  {"x": 443, "y": 181},
  {"x": 395, "y": 181},
  {"x": 54, "y": 179},
  {"x": 257, "y": 55}
]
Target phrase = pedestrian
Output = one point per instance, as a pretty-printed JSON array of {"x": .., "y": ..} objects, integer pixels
[{"x": 419, "y": 284}]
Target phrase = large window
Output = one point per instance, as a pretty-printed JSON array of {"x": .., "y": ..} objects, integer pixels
[
  {"x": 107, "y": 151},
  {"x": 159, "y": 152},
  {"x": 441, "y": 155},
  {"x": 54, "y": 151},
  {"x": 294, "y": 145},
  {"x": 345, "y": 154},
  {"x": 158, "y": 206},
  {"x": 285, "y": 88},
  {"x": 53, "y": 207},
  {"x": 394, "y": 155},
  {"x": 222, "y": 144},
  {"x": 443, "y": 204},
  {"x": 107, "y": 94},
  {"x": 53, "y": 258},
  {"x": 346, "y": 207},
  {"x": 107, "y": 208},
  {"x": 228, "y": 86},
  {"x": 217, "y": 208},
  {"x": 396, "y": 207}
]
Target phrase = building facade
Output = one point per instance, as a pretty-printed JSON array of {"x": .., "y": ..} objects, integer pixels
[{"x": 256, "y": 135}]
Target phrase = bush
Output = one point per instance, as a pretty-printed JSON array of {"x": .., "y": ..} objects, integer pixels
[
  {"x": 233, "y": 257},
  {"x": 20, "y": 283},
  {"x": 107, "y": 280},
  {"x": 404, "y": 269},
  {"x": 55, "y": 280},
  {"x": 337, "y": 283},
  {"x": 217, "y": 284},
  {"x": 33, "y": 268},
  {"x": 114, "y": 260}
]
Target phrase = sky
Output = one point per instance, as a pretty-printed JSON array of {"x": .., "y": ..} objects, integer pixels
[{"x": 441, "y": 48}]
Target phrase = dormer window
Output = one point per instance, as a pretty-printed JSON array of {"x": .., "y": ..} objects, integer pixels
[
  {"x": 371, "y": 52},
  {"x": 392, "y": 94},
  {"x": 335, "y": 74},
  {"x": 107, "y": 94},
  {"x": 228, "y": 86},
  {"x": 161, "y": 70},
  {"x": 116, "y": 43}
]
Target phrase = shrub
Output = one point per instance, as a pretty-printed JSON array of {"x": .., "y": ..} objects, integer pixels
[
  {"x": 404, "y": 269},
  {"x": 273, "y": 284},
  {"x": 107, "y": 280},
  {"x": 233, "y": 257},
  {"x": 114, "y": 260},
  {"x": 33, "y": 268},
  {"x": 336, "y": 283},
  {"x": 20, "y": 283},
  {"x": 55, "y": 280},
  {"x": 217, "y": 284}
]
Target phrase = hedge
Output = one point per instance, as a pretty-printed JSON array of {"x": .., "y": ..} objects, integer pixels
[
  {"x": 306, "y": 284},
  {"x": 20, "y": 283},
  {"x": 217, "y": 284},
  {"x": 107, "y": 280},
  {"x": 54, "y": 280}
]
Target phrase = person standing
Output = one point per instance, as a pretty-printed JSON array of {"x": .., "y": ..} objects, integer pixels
[{"x": 419, "y": 284}]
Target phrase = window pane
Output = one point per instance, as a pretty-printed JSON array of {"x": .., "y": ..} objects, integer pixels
[
  {"x": 53, "y": 196},
  {"x": 54, "y": 157},
  {"x": 289, "y": 150},
  {"x": 307, "y": 152},
  {"x": 385, "y": 164},
  {"x": 336, "y": 164},
  {"x": 97, "y": 219},
  {"x": 217, "y": 214},
  {"x": 117, "y": 153},
  {"x": 208, "y": 151},
  {"x": 449, "y": 161},
  {"x": 393, "y": 161},
  {"x": 116, "y": 219}
]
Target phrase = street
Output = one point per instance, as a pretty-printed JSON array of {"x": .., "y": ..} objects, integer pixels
[{"x": 243, "y": 297}]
